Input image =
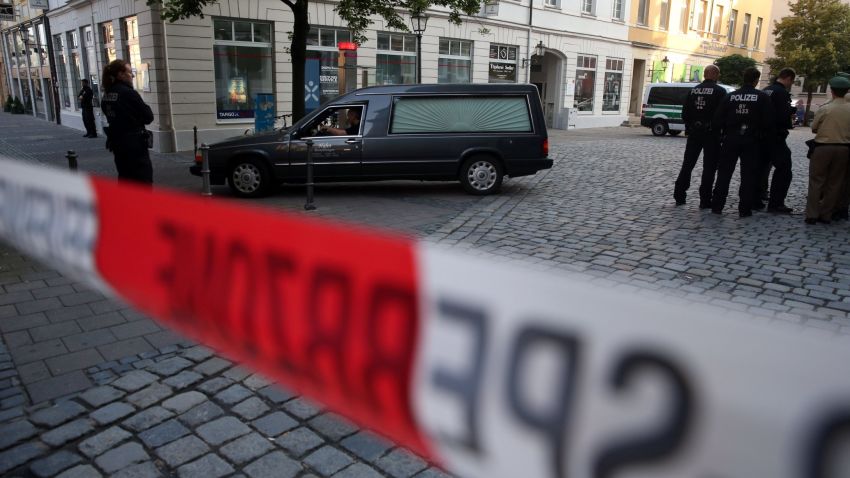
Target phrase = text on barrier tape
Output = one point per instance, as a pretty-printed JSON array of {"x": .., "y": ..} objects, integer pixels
[{"x": 488, "y": 369}]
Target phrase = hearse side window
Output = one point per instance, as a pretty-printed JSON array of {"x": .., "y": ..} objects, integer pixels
[
  {"x": 453, "y": 114},
  {"x": 665, "y": 95}
]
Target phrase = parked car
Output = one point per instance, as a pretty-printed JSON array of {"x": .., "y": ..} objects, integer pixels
[
  {"x": 662, "y": 107},
  {"x": 477, "y": 134}
]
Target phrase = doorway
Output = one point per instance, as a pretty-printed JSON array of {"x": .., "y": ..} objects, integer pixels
[
  {"x": 638, "y": 75},
  {"x": 547, "y": 73}
]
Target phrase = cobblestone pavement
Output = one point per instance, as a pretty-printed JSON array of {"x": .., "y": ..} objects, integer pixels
[{"x": 90, "y": 387}]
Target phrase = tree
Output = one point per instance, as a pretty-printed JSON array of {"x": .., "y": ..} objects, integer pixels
[
  {"x": 732, "y": 68},
  {"x": 813, "y": 41},
  {"x": 357, "y": 13}
]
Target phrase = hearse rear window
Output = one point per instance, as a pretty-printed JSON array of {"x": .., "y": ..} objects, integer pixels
[{"x": 460, "y": 114}]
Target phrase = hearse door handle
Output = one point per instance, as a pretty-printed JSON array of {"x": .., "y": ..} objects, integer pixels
[{"x": 352, "y": 141}]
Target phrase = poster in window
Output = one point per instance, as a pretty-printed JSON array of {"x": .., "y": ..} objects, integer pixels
[
  {"x": 502, "y": 73},
  {"x": 237, "y": 91}
]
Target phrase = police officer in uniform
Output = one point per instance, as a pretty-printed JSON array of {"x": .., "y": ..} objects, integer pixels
[
  {"x": 699, "y": 109},
  {"x": 829, "y": 158},
  {"x": 775, "y": 151},
  {"x": 86, "y": 96},
  {"x": 127, "y": 114},
  {"x": 744, "y": 119}
]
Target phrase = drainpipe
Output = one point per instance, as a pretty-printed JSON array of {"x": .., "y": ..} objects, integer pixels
[{"x": 528, "y": 41}]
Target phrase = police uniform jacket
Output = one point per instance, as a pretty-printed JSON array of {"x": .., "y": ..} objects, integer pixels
[
  {"x": 86, "y": 96},
  {"x": 781, "y": 101},
  {"x": 701, "y": 104},
  {"x": 745, "y": 113},
  {"x": 125, "y": 110}
]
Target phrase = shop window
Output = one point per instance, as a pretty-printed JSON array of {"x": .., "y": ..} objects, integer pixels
[
  {"x": 322, "y": 46},
  {"x": 75, "y": 63},
  {"x": 243, "y": 66},
  {"x": 132, "y": 52},
  {"x": 503, "y": 64},
  {"x": 613, "y": 84},
  {"x": 455, "y": 62},
  {"x": 107, "y": 39},
  {"x": 61, "y": 70},
  {"x": 585, "y": 82},
  {"x": 396, "y": 59}
]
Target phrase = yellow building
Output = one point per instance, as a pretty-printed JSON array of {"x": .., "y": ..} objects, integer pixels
[{"x": 674, "y": 40}]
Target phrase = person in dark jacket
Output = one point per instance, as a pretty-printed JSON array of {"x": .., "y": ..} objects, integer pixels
[
  {"x": 699, "y": 109},
  {"x": 86, "y": 96},
  {"x": 744, "y": 119},
  {"x": 775, "y": 151},
  {"x": 127, "y": 114}
]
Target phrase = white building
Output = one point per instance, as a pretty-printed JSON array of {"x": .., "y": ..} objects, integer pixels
[{"x": 205, "y": 72}]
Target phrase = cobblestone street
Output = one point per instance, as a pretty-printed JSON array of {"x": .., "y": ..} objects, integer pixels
[{"x": 90, "y": 387}]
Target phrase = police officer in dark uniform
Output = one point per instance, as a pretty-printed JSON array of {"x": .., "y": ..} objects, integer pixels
[
  {"x": 127, "y": 114},
  {"x": 775, "y": 151},
  {"x": 698, "y": 112},
  {"x": 744, "y": 119},
  {"x": 86, "y": 96}
]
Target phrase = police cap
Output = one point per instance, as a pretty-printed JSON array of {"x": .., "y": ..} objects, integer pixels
[{"x": 840, "y": 82}]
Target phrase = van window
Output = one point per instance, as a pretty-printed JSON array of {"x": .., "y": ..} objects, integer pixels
[
  {"x": 453, "y": 114},
  {"x": 668, "y": 95}
]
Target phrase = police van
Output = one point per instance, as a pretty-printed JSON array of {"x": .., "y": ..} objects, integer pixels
[{"x": 662, "y": 106}]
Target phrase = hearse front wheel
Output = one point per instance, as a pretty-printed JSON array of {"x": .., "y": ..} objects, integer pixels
[
  {"x": 481, "y": 175},
  {"x": 250, "y": 177}
]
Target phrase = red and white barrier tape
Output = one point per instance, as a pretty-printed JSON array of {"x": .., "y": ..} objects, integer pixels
[{"x": 490, "y": 370}]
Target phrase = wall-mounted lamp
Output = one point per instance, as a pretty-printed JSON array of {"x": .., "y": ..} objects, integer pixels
[
  {"x": 539, "y": 51},
  {"x": 664, "y": 63}
]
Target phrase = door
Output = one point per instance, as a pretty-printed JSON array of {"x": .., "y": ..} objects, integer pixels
[
  {"x": 637, "y": 87},
  {"x": 337, "y": 137}
]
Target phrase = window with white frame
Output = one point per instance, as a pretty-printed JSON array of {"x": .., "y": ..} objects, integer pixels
[
  {"x": 684, "y": 16},
  {"x": 613, "y": 84},
  {"x": 730, "y": 29},
  {"x": 107, "y": 40},
  {"x": 701, "y": 15},
  {"x": 503, "y": 64},
  {"x": 75, "y": 63},
  {"x": 92, "y": 68},
  {"x": 587, "y": 6},
  {"x": 396, "y": 59},
  {"x": 455, "y": 62},
  {"x": 757, "y": 39},
  {"x": 643, "y": 12},
  {"x": 322, "y": 45},
  {"x": 618, "y": 10},
  {"x": 242, "y": 55},
  {"x": 664, "y": 17},
  {"x": 132, "y": 51},
  {"x": 551, "y": 3},
  {"x": 745, "y": 31},
  {"x": 585, "y": 82},
  {"x": 717, "y": 20}
]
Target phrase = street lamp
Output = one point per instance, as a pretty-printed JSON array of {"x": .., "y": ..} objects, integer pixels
[
  {"x": 539, "y": 51},
  {"x": 418, "y": 22},
  {"x": 664, "y": 64}
]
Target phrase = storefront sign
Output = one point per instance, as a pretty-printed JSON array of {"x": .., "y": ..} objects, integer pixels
[
  {"x": 235, "y": 114},
  {"x": 42, "y": 4},
  {"x": 716, "y": 47},
  {"x": 312, "y": 85},
  {"x": 503, "y": 72},
  {"x": 264, "y": 109}
]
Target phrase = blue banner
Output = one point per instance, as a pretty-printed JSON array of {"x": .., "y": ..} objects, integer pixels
[
  {"x": 264, "y": 108},
  {"x": 312, "y": 85}
]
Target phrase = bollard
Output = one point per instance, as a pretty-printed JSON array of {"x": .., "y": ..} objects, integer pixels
[
  {"x": 195, "y": 141},
  {"x": 72, "y": 160},
  {"x": 205, "y": 169},
  {"x": 309, "y": 206}
]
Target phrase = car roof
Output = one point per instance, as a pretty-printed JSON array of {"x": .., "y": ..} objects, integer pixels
[
  {"x": 471, "y": 88},
  {"x": 686, "y": 85}
]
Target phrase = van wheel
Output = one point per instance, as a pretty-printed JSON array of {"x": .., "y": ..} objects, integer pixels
[
  {"x": 674, "y": 132},
  {"x": 659, "y": 128},
  {"x": 481, "y": 175},
  {"x": 249, "y": 177}
]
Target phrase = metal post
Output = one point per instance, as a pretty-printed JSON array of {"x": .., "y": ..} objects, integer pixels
[
  {"x": 309, "y": 206},
  {"x": 72, "y": 160},
  {"x": 419, "y": 58},
  {"x": 205, "y": 169}
]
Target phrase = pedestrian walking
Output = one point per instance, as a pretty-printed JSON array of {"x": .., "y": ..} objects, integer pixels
[
  {"x": 775, "y": 151},
  {"x": 697, "y": 114},
  {"x": 127, "y": 114},
  {"x": 830, "y": 155},
  {"x": 86, "y": 97},
  {"x": 744, "y": 119}
]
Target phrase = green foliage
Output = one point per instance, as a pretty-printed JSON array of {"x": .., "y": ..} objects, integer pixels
[
  {"x": 732, "y": 68},
  {"x": 17, "y": 106},
  {"x": 813, "y": 40},
  {"x": 7, "y": 107}
]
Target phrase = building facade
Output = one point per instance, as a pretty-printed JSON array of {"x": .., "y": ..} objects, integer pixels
[
  {"x": 690, "y": 35},
  {"x": 206, "y": 73}
]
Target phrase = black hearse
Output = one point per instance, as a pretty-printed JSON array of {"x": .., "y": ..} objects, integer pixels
[{"x": 476, "y": 134}]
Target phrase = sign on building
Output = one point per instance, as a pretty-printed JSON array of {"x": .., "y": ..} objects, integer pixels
[{"x": 42, "y": 4}]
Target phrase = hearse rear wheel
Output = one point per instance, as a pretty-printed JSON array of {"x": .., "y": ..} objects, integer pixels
[{"x": 481, "y": 175}]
